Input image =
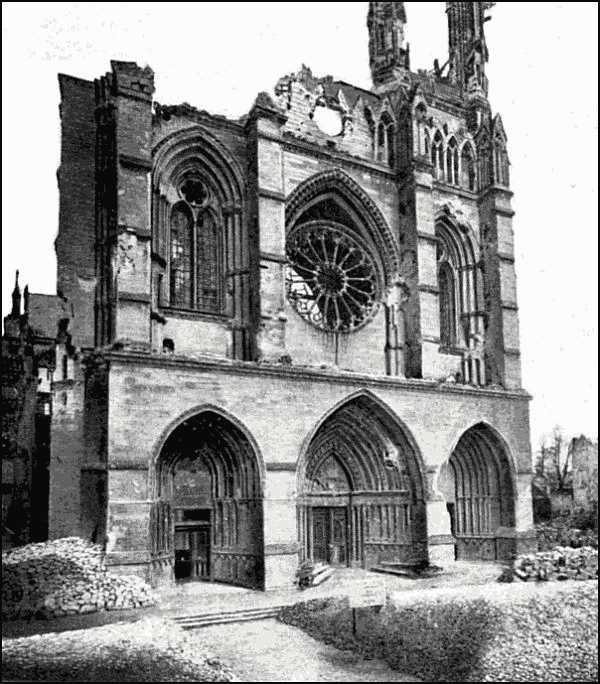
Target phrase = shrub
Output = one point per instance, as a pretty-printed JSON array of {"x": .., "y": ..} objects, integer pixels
[
  {"x": 519, "y": 632},
  {"x": 562, "y": 532}
]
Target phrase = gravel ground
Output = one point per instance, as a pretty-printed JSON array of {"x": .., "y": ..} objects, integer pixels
[
  {"x": 151, "y": 649},
  {"x": 269, "y": 651},
  {"x": 154, "y": 650}
]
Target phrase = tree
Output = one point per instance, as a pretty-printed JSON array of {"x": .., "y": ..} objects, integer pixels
[{"x": 554, "y": 459}]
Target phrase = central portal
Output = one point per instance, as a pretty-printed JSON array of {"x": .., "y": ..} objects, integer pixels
[{"x": 361, "y": 497}]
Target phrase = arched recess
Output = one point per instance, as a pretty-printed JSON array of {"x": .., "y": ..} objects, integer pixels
[
  {"x": 468, "y": 171},
  {"x": 437, "y": 156},
  {"x": 341, "y": 253},
  {"x": 206, "y": 520},
  {"x": 361, "y": 491},
  {"x": 192, "y": 170},
  {"x": 461, "y": 297},
  {"x": 346, "y": 193},
  {"x": 452, "y": 162},
  {"x": 478, "y": 482}
]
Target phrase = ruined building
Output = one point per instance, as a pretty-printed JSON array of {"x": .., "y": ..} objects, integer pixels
[{"x": 290, "y": 335}]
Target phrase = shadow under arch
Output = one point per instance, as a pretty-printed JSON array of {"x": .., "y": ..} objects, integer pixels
[
  {"x": 335, "y": 184},
  {"x": 361, "y": 488},
  {"x": 186, "y": 415},
  {"x": 196, "y": 144},
  {"x": 478, "y": 482},
  {"x": 207, "y": 483}
]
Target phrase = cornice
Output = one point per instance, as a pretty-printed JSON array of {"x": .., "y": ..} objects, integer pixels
[
  {"x": 341, "y": 158},
  {"x": 304, "y": 373}
]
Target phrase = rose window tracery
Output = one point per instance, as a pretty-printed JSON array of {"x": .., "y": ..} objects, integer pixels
[{"x": 332, "y": 278}]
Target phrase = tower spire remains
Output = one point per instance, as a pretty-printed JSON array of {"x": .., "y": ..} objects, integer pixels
[
  {"x": 388, "y": 52},
  {"x": 467, "y": 45},
  {"x": 16, "y": 297}
]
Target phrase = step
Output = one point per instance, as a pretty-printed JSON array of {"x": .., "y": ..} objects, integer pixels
[
  {"x": 227, "y": 613},
  {"x": 206, "y": 619},
  {"x": 399, "y": 570}
]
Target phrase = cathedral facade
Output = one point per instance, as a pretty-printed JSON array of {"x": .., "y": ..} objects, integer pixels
[{"x": 293, "y": 335}]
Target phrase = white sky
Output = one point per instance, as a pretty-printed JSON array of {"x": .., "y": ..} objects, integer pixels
[{"x": 218, "y": 56}]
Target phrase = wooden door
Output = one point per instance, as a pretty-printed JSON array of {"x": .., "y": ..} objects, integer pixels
[
  {"x": 329, "y": 527},
  {"x": 192, "y": 551},
  {"x": 320, "y": 525},
  {"x": 200, "y": 559},
  {"x": 338, "y": 554}
]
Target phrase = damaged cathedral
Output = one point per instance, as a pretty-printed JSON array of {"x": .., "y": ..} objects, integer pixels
[{"x": 288, "y": 336}]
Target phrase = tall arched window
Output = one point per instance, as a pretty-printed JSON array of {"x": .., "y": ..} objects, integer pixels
[
  {"x": 500, "y": 162},
  {"x": 467, "y": 164},
  {"x": 182, "y": 229},
  {"x": 421, "y": 137},
  {"x": 207, "y": 263},
  {"x": 195, "y": 269},
  {"x": 485, "y": 167},
  {"x": 390, "y": 139},
  {"x": 452, "y": 162},
  {"x": 371, "y": 124},
  {"x": 437, "y": 156},
  {"x": 381, "y": 142},
  {"x": 447, "y": 287},
  {"x": 462, "y": 326}
]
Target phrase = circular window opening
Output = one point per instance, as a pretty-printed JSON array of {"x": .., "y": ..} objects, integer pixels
[
  {"x": 328, "y": 120},
  {"x": 332, "y": 279}
]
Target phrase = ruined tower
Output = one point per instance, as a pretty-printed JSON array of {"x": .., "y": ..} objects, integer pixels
[{"x": 388, "y": 52}]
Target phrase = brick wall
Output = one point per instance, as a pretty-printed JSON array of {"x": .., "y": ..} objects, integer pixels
[{"x": 75, "y": 243}]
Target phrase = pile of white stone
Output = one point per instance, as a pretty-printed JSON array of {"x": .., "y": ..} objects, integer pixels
[{"x": 65, "y": 577}]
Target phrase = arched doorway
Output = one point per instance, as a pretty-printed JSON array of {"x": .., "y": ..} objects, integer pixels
[
  {"x": 478, "y": 485},
  {"x": 207, "y": 520},
  {"x": 361, "y": 499}
]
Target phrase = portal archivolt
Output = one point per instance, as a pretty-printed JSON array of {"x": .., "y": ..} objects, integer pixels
[
  {"x": 361, "y": 499},
  {"x": 207, "y": 516},
  {"x": 478, "y": 486}
]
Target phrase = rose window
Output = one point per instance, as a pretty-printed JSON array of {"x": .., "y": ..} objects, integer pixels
[{"x": 332, "y": 279}]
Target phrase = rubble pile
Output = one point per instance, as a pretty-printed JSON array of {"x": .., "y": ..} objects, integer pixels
[
  {"x": 561, "y": 563},
  {"x": 65, "y": 577}
]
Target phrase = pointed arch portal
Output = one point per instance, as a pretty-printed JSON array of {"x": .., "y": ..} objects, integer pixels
[
  {"x": 478, "y": 485},
  {"x": 207, "y": 519},
  {"x": 361, "y": 500}
]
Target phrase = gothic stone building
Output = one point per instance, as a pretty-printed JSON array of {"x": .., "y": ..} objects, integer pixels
[{"x": 295, "y": 334}]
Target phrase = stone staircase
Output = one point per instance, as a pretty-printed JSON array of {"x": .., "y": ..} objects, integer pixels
[{"x": 225, "y": 617}]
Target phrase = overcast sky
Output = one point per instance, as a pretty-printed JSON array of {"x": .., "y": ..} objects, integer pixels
[{"x": 218, "y": 56}]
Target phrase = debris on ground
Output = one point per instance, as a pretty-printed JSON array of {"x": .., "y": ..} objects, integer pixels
[
  {"x": 561, "y": 563},
  {"x": 65, "y": 577},
  {"x": 310, "y": 574}
]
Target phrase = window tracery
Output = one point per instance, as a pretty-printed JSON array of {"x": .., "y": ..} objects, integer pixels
[
  {"x": 437, "y": 156},
  {"x": 332, "y": 279},
  {"x": 452, "y": 162},
  {"x": 194, "y": 258},
  {"x": 447, "y": 287},
  {"x": 467, "y": 165}
]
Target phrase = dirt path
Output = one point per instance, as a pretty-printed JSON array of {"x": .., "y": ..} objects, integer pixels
[{"x": 269, "y": 651}]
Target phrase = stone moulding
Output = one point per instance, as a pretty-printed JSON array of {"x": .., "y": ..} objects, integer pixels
[
  {"x": 321, "y": 152},
  {"x": 236, "y": 367}
]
